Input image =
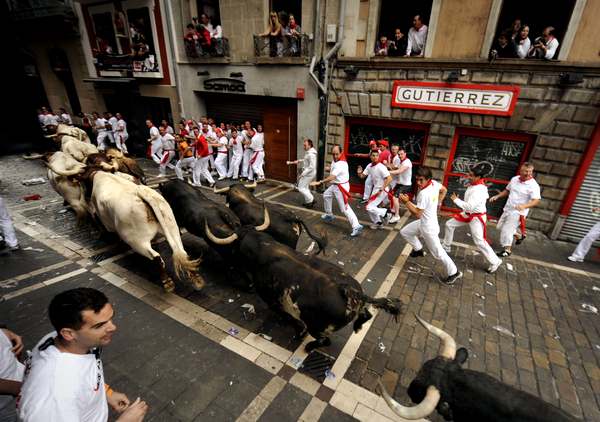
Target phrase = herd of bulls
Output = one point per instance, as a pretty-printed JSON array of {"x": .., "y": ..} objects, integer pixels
[{"x": 258, "y": 241}]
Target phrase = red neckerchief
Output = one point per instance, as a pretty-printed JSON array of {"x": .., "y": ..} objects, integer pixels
[
  {"x": 479, "y": 182},
  {"x": 405, "y": 158},
  {"x": 342, "y": 157},
  {"x": 524, "y": 180},
  {"x": 427, "y": 184}
]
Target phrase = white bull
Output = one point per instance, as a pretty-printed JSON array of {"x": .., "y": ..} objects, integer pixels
[
  {"x": 77, "y": 149},
  {"x": 137, "y": 213},
  {"x": 61, "y": 168},
  {"x": 72, "y": 131}
]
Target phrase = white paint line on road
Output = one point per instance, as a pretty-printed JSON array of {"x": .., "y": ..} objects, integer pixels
[
  {"x": 44, "y": 283},
  {"x": 264, "y": 192},
  {"x": 36, "y": 272},
  {"x": 268, "y": 198}
]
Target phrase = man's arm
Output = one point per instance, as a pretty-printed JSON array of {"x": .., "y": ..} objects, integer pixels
[
  {"x": 9, "y": 387},
  {"x": 530, "y": 204},
  {"x": 412, "y": 208},
  {"x": 501, "y": 195},
  {"x": 399, "y": 170},
  {"x": 443, "y": 192}
]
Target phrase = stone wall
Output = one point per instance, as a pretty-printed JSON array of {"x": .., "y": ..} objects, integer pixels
[{"x": 561, "y": 119}]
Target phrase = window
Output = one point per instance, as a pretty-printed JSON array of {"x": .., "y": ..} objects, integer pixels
[
  {"x": 521, "y": 23},
  {"x": 395, "y": 15},
  {"x": 285, "y": 8},
  {"x": 502, "y": 153},
  {"x": 211, "y": 9},
  {"x": 412, "y": 137}
]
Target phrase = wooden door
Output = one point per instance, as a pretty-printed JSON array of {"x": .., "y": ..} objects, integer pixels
[{"x": 279, "y": 124}]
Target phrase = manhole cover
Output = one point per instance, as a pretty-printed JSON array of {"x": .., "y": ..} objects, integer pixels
[{"x": 317, "y": 365}]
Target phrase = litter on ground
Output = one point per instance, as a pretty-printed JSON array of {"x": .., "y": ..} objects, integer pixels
[{"x": 503, "y": 330}]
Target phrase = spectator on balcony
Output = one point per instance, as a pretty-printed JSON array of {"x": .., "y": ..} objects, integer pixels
[
  {"x": 381, "y": 47},
  {"x": 274, "y": 32},
  {"x": 292, "y": 32},
  {"x": 203, "y": 37},
  {"x": 522, "y": 42},
  {"x": 515, "y": 29},
  {"x": 192, "y": 41},
  {"x": 417, "y": 38},
  {"x": 397, "y": 45},
  {"x": 545, "y": 46},
  {"x": 503, "y": 48}
]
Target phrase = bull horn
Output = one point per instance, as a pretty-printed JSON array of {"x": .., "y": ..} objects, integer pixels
[
  {"x": 266, "y": 223},
  {"x": 421, "y": 410},
  {"x": 218, "y": 240},
  {"x": 251, "y": 185},
  {"x": 448, "y": 343},
  {"x": 221, "y": 190},
  {"x": 54, "y": 135},
  {"x": 66, "y": 173}
]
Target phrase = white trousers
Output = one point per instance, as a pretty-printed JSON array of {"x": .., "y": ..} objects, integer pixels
[
  {"x": 101, "y": 139},
  {"x": 234, "y": 165},
  {"x": 368, "y": 188},
  {"x": 477, "y": 235},
  {"x": 221, "y": 164},
  {"x": 211, "y": 161},
  {"x": 120, "y": 142},
  {"x": 188, "y": 162},
  {"x": 6, "y": 225},
  {"x": 156, "y": 151},
  {"x": 333, "y": 191},
  {"x": 508, "y": 224},
  {"x": 411, "y": 233},
  {"x": 246, "y": 162},
  {"x": 304, "y": 188},
  {"x": 257, "y": 165},
  {"x": 586, "y": 243},
  {"x": 373, "y": 209},
  {"x": 165, "y": 161},
  {"x": 201, "y": 171}
]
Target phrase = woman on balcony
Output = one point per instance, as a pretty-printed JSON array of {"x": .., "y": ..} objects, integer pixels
[
  {"x": 293, "y": 32},
  {"x": 274, "y": 32}
]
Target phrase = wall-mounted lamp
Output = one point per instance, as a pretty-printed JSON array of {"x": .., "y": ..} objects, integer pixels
[
  {"x": 570, "y": 78},
  {"x": 203, "y": 73},
  {"x": 452, "y": 76},
  {"x": 350, "y": 72},
  {"x": 236, "y": 75}
]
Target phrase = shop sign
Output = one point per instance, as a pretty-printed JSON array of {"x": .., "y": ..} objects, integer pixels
[
  {"x": 225, "y": 84},
  {"x": 499, "y": 100}
]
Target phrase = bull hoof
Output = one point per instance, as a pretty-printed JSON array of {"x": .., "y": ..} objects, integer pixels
[
  {"x": 198, "y": 282},
  {"x": 169, "y": 286}
]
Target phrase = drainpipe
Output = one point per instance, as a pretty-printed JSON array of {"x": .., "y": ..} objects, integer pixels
[{"x": 172, "y": 34}]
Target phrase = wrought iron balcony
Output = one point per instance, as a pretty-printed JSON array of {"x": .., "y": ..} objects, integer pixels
[
  {"x": 194, "y": 50},
  {"x": 284, "y": 47},
  {"x": 49, "y": 15}
]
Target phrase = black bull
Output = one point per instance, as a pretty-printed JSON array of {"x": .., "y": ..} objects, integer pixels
[
  {"x": 465, "y": 395},
  {"x": 318, "y": 296},
  {"x": 286, "y": 227}
]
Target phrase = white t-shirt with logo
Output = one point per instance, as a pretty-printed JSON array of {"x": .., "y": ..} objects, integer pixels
[
  {"x": 404, "y": 178},
  {"x": 63, "y": 387},
  {"x": 378, "y": 173},
  {"x": 521, "y": 193},
  {"x": 236, "y": 145},
  {"x": 10, "y": 368},
  {"x": 427, "y": 200}
]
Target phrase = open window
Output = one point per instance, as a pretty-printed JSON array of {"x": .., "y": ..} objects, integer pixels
[
  {"x": 521, "y": 26},
  {"x": 211, "y": 9},
  {"x": 396, "y": 16},
  {"x": 285, "y": 8}
]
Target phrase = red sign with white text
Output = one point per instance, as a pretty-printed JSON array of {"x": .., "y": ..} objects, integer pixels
[{"x": 499, "y": 100}]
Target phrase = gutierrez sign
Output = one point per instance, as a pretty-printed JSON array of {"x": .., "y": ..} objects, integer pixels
[{"x": 462, "y": 98}]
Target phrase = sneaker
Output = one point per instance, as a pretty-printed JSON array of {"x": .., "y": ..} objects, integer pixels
[
  {"x": 388, "y": 216},
  {"x": 574, "y": 259},
  {"x": 447, "y": 248},
  {"x": 356, "y": 231},
  {"x": 328, "y": 218},
  {"x": 492, "y": 268},
  {"x": 503, "y": 253},
  {"x": 376, "y": 226},
  {"x": 452, "y": 278},
  {"x": 520, "y": 240},
  {"x": 394, "y": 219},
  {"x": 416, "y": 254},
  {"x": 363, "y": 201}
]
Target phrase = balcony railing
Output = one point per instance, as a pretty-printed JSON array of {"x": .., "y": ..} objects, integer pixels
[
  {"x": 219, "y": 47},
  {"x": 284, "y": 46}
]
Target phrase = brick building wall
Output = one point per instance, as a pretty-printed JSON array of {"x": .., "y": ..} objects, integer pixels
[{"x": 560, "y": 118}]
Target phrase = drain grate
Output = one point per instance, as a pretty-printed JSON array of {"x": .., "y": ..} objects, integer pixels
[{"x": 318, "y": 366}]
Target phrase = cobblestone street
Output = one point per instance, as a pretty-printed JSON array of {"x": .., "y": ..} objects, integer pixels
[{"x": 195, "y": 355}]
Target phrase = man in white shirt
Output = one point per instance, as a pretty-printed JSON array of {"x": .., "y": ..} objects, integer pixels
[
  {"x": 168, "y": 151},
  {"x": 545, "y": 46},
  {"x": 65, "y": 117},
  {"x": 222, "y": 153},
  {"x": 431, "y": 193},
  {"x": 121, "y": 134},
  {"x": 237, "y": 149},
  {"x": 167, "y": 127},
  {"x": 523, "y": 193},
  {"x": 11, "y": 374},
  {"x": 309, "y": 171},
  {"x": 64, "y": 380},
  {"x": 339, "y": 177},
  {"x": 381, "y": 178},
  {"x": 248, "y": 132},
  {"x": 401, "y": 171},
  {"x": 417, "y": 38},
  {"x": 584, "y": 245},
  {"x": 368, "y": 188},
  {"x": 474, "y": 213},
  {"x": 155, "y": 142},
  {"x": 102, "y": 132},
  {"x": 257, "y": 144},
  {"x": 113, "y": 122}
]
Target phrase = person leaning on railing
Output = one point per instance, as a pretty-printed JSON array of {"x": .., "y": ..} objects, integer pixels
[
  {"x": 293, "y": 33},
  {"x": 274, "y": 32}
]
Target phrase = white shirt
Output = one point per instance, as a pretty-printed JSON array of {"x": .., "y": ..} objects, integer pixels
[
  {"x": 551, "y": 48},
  {"x": 236, "y": 145},
  {"x": 51, "y": 120},
  {"x": 66, "y": 118},
  {"x": 404, "y": 178},
  {"x": 63, "y": 387},
  {"x": 427, "y": 200},
  {"x": 258, "y": 142},
  {"x": 10, "y": 368},
  {"x": 222, "y": 144},
  {"x": 122, "y": 127},
  {"x": 339, "y": 169},
  {"x": 475, "y": 198},
  {"x": 170, "y": 130},
  {"x": 378, "y": 173},
  {"x": 523, "y": 47},
  {"x": 154, "y": 133},
  {"x": 521, "y": 193},
  {"x": 100, "y": 123},
  {"x": 42, "y": 119},
  {"x": 309, "y": 163},
  {"x": 168, "y": 142},
  {"x": 114, "y": 123},
  {"x": 247, "y": 137},
  {"x": 416, "y": 40}
]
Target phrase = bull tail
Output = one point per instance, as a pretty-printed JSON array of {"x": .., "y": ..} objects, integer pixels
[
  {"x": 321, "y": 239},
  {"x": 181, "y": 261},
  {"x": 390, "y": 305}
]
